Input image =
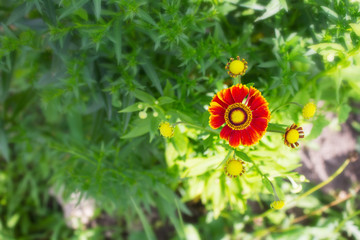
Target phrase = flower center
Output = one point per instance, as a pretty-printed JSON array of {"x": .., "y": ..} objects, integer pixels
[
  {"x": 236, "y": 66},
  {"x": 166, "y": 129},
  {"x": 234, "y": 167},
  {"x": 292, "y": 136},
  {"x": 238, "y": 116},
  {"x": 309, "y": 110}
]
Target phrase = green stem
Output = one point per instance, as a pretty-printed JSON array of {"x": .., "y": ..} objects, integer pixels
[
  {"x": 295, "y": 103},
  {"x": 310, "y": 191},
  {"x": 198, "y": 127},
  {"x": 327, "y": 181},
  {"x": 276, "y": 131},
  {"x": 278, "y": 128},
  {"x": 257, "y": 168}
]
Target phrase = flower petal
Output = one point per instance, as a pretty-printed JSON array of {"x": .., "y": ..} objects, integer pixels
[
  {"x": 216, "y": 109},
  {"x": 259, "y": 124},
  {"x": 225, "y": 96},
  {"x": 255, "y": 136},
  {"x": 225, "y": 133},
  {"x": 262, "y": 111},
  {"x": 239, "y": 92},
  {"x": 235, "y": 138},
  {"x": 216, "y": 121},
  {"x": 246, "y": 139},
  {"x": 253, "y": 94},
  {"x": 219, "y": 101},
  {"x": 257, "y": 101}
]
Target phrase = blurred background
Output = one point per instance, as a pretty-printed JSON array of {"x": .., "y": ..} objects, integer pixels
[{"x": 84, "y": 85}]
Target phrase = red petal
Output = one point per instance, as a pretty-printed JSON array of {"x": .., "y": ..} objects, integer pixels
[
  {"x": 255, "y": 136},
  {"x": 257, "y": 101},
  {"x": 235, "y": 138},
  {"x": 216, "y": 109},
  {"x": 225, "y": 133},
  {"x": 220, "y": 102},
  {"x": 253, "y": 94},
  {"x": 216, "y": 121},
  {"x": 259, "y": 124},
  {"x": 262, "y": 111},
  {"x": 239, "y": 92},
  {"x": 225, "y": 96},
  {"x": 245, "y": 138}
]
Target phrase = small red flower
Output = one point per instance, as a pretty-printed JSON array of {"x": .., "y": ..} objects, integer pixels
[{"x": 245, "y": 112}]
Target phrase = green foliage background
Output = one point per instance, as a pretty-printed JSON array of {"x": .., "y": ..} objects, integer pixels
[{"x": 75, "y": 74}]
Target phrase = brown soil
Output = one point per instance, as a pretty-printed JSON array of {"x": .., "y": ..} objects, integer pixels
[{"x": 334, "y": 147}]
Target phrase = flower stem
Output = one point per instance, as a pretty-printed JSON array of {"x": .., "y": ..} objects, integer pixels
[
  {"x": 197, "y": 126},
  {"x": 295, "y": 103}
]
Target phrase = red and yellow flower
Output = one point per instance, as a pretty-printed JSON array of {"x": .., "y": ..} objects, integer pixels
[
  {"x": 244, "y": 111},
  {"x": 292, "y": 135},
  {"x": 236, "y": 67},
  {"x": 234, "y": 168}
]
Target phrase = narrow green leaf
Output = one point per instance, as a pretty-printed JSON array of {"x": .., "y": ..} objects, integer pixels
[
  {"x": 243, "y": 156},
  {"x": 284, "y": 5},
  {"x": 75, "y": 123},
  {"x": 150, "y": 71},
  {"x": 143, "y": 96},
  {"x": 165, "y": 100},
  {"x": 4, "y": 146},
  {"x": 267, "y": 185},
  {"x": 146, "y": 17},
  {"x": 141, "y": 127},
  {"x": 317, "y": 128},
  {"x": 271, "y": 9},
  {"x": 356, "y": 28},
  {"x": 117, "y": 40},
  {"x": 19, "y": 12},
  {"x": 75, "y": 6},
  {"x": 330, "y": 12},
  {"x": 131, "y": 108},
  {"x": 344, "y": 112},
  {"x": 97, "y": 8},
  {"x": 13, "y": 220},
  {"x": 148, "y": 230},
  {"x": 49, "y": 11}
]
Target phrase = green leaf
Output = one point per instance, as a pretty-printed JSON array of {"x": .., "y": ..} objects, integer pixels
[
  {"x": 330, "y": 12},
  {"x": 319, "y": 48},
  {"x": 141, "y": 127},
  {"x": 165, "y": 100},
  {"x": 116, "y": 39},
  {"x": 356, "y": 28},
  {"x": 267, "y": 184},
  {"x": 49, "y": 11},
  {"x": 268, "y": 64},
  {"x": 271, "y": 9},
  {"x": 146, "y": 17},
  {"x": 169, "y": 90},
  {"x": 150, "y": 72},
  {"x": 13, "y": 220},
  {"x": 131, "y": 108},
  {"x": 19, "y": 12},
  {"x": 75, "y": 123},
  {"x": 317, "y": 128},
  {"x": 4, "y": 146},
  {"x": 97, "y": 8},
  {"x": 143, "y": 96},
  {"x": 344, "y": 112},
  {"x": 75, "y": 6},
  {"x": 243, "y": 156},
  {"x": 180, "y": 142},
  {"x": 148, "y": 230}
]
